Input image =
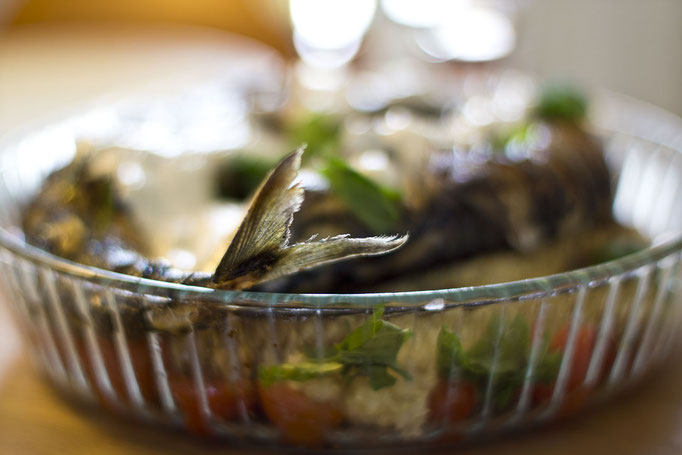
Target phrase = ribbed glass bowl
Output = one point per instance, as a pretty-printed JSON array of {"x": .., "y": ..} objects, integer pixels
[{"x": 189, "y": 356}]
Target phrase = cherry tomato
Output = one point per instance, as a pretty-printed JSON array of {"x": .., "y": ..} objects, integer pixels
[
  {"x": 452, "y": 401},
  {"x": 582, "y": 352},
  {"x": 302, "y": 420},
  {"x": 224, "y": 401},
  {"x": 576, "y": 393}
]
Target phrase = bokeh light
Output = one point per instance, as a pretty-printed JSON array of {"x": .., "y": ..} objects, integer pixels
[
  {"x": 471, "y": 34},
  {"x": 420, "y": 14},
  {"x": 327, "y": 33}
]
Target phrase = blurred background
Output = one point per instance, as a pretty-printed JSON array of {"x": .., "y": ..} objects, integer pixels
[{"x": 631, "y": 46}]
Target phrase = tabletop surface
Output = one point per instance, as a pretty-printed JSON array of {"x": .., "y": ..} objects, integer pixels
[{"x": 35, "y": 419}]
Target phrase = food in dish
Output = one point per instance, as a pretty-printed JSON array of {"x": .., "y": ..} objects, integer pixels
[{"x": 537, "y": 192}]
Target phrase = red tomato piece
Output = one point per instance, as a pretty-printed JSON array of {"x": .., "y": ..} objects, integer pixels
[
  {"x": 302, "y": 420},
  {"x": 576, "y": 394},
  {"x": 460, "y": 405},
  {"x": 542, "y": 393},
  {"x": 224, "y": 401},
  {"x": 582, "y": 352}
]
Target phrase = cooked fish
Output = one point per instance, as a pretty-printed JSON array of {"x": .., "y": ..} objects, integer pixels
[
  {"x": 82, "y": 218},
  {"x": 472, "y": 201}
]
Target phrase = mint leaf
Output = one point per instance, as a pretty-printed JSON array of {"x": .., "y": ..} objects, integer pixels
[
  {"x": 296, "y": 372},
  {"x": 377, "y": 207},
  {"x": 319, "y": 132},
  {"x": 561, "y": 102},
  {"x": 480, "y": 363},
  {"x": 370, "y": 350},
  {"x": 379, "y": 377},
  {"x": 362, "y": 334},
  {"x": 549, "y": 361},
  {"x": 449, "y": 352},
  {"x": 512, "y": 345},
  {"x": 374, "y": 205}
]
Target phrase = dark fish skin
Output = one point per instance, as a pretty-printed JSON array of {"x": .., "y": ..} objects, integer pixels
[
  {"x": 471, "y": 208},
  {"x": 466, "y": 205},
  {"x": 83, "y": 219}
]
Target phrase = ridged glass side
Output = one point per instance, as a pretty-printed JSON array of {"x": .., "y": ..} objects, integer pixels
[{"x": 195, "y": 364}]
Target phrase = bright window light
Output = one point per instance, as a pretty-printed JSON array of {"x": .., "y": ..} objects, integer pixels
[
  {"x": 471, "y": 34},
  {"x": 331, "y": 24}
]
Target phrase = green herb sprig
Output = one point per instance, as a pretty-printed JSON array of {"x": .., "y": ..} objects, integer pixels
[
  {"x": 370, "y": 350},
  {"x": 501, "y": 353},
  {"x": 374, "y": 205},
  {"x": 561, "y": 102},
  {"x": 321, "y": 134}
]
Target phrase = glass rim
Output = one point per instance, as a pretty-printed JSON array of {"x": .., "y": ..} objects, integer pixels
[{"x": 536, "y": 287}]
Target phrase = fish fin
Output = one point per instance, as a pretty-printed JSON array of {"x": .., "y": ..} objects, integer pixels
[
  {"x": 309, "y": 254},
  {"x": 264, "y": 232}
]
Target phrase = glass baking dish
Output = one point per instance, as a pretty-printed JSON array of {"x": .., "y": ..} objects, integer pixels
[{"x": 195, "y": 357}]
